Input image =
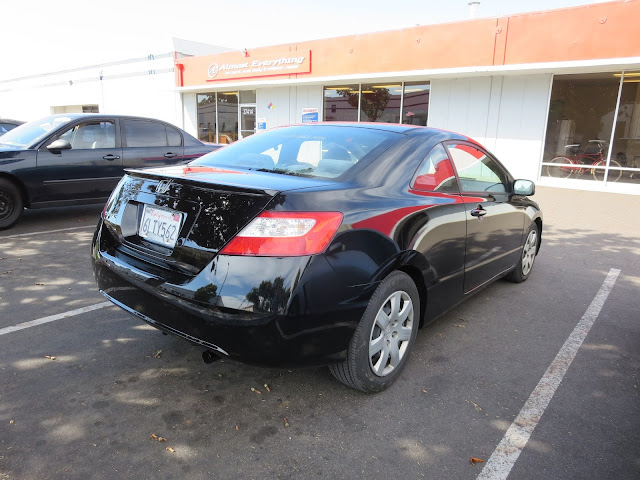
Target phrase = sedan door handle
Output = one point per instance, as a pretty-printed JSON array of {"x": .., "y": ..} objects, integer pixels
[
  {"x": 111, "y": 157},
  {"x": 478, "y": 212},
  {"x": 170, "y": 155}
]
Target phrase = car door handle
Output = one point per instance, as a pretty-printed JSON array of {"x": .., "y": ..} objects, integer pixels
[
  {"x": 111, "y": 157},
  {"x": 170, "y": 155},
  {"x": 478, "y": 212}
]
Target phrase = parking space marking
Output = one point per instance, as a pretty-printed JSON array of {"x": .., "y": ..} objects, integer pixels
[
  {"x": 48, "y": 231},
  {"x": 53, "y": 318},
  {"x": 508, "y": 450}
]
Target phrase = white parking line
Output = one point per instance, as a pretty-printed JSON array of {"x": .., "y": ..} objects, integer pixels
[
  {"x": 53, "y": 318},
  {"x": 507, "y": 452},
  {"x": 47, "y": 231}
]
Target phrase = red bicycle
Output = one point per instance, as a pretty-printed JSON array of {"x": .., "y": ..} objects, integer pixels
[{"x": 592, "y": 160}]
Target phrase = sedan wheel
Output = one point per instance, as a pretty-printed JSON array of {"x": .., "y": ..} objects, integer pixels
[
  {"x": 11, "y": 204},
  {"x": 381, "y": 344},
  {"x": 529, "y": 251}
]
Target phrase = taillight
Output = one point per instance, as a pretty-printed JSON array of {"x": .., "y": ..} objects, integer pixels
[{"x": 283, "y": 234}]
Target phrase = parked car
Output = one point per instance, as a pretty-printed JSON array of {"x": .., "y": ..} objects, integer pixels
[
  {"x": 316, "y": 244},
  {"x": 7, "y": 124},
  {"x": 76, "y": 159}
]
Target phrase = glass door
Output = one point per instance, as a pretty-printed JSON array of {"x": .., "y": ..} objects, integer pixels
[{"x": 247, "y": 114}]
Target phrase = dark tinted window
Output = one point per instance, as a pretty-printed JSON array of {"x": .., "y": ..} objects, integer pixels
[
  {"x": 174, "y": 137},
  {"x": 140, "y": 133},
  {"x": 319, "y": 151},
  {"x": 436, "y": 173},
  {"x": 477, "y": 171}
]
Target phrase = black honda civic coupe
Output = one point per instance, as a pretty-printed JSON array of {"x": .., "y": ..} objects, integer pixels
[{"x": 316, "y": 244}]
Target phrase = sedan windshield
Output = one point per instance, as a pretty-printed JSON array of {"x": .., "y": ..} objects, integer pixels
[
  {"x": 30, "y": 133},
  {"x": 322, "y": 151}
]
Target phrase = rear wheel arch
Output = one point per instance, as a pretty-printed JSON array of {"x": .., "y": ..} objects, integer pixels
[
  {"x": 417, "y": 277},
  {"x": 538, "y": 222}
]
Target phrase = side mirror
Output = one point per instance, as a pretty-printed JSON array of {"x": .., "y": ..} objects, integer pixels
[
  {"x": 524, "y": 188},
  {"x": 58, "y": 146}
]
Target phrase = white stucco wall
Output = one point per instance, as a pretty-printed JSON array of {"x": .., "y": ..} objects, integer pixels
[
  {"x": 507, "y": 114},
  {"x": 145, "y": 87},
  {"x": 288, "y": 103}
]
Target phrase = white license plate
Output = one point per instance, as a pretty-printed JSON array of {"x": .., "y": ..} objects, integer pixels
[{"x": 160, "y": 226}]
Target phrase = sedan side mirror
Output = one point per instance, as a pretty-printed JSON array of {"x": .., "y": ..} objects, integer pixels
[
  {"x": 524, "y": 188},
  {"x": 58, "y": 146}
]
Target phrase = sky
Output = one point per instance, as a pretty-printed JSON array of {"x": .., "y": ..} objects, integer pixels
[{"x": 44, "y": 36}]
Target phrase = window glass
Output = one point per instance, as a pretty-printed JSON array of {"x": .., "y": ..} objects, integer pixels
[
  {"x": 91, "y": 135},
  {"x": 625, "y": 153},
  {"x": 579, "y": 125},
  {"x": 207, "y": 117},
  {"x": 247, "y": 96},
  {"x": 477, "y": 171},
  {"x": 436, "y": 173},
  {"x": 380, "y": 103},
  {"x": 173, "y": 137},
  {"x": 322, "y": 151},
  {"x": 341, "y": 103},
  {"x": 227, "y": 117},
  {"x": 415, "y": 105},
  {"x": 140, "y": 133}
]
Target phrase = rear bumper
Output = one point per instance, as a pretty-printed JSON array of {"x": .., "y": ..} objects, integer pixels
[{"x": 268, "y": 311}]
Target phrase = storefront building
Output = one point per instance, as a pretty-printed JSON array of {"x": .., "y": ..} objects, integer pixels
[
  {"x": 526, "y": 86},
  {"x": 555, "y": 95}
]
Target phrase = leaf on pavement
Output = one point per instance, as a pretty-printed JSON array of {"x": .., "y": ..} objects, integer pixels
[
  {"x": 475, "y": 460},
  {"x": 50, "y": 357},
  {"x": 170, "y": 450},
  {"x": 158, "y": 353},
  {"x": 286, "y": 422},
  {"x": 257, "y": 391},
  {"x": 267, "y": 387}
]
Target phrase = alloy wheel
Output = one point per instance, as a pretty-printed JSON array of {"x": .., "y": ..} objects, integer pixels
[{"x": 391, "y": 333}]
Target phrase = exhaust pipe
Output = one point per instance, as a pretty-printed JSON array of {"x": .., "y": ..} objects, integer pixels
[{"x": 209, "y": 357}]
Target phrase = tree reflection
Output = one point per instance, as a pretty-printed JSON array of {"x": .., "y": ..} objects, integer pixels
[
  {"x": 373, "y": 104},
  {"x": 270, "y": 296}
]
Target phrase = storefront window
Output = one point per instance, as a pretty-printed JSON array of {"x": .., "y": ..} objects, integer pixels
[
  {"x": 341, "y": 103},
  {"x": 625, "y": 154},
  {"x": 415, "y": 105},
  {"x": 206, "y": 117},
  {"x": 579, "y": 127},
  {"x": 227, "y": 117},
  {"x": 380, "y": 103}
]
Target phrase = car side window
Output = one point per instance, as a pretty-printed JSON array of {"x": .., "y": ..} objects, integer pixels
[
  {"x": 174, "y": 139},
  {"x": 436, "y": 173},
  {"x": 477, "y": 171},
  {"x": 141, "y": 133},
  {"x": 91, "y": 135}
]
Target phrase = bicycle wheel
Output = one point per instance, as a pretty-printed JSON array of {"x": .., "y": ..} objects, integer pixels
[
  {"x": 562, "y": 167},
  {"x": 614, "y": 175}
]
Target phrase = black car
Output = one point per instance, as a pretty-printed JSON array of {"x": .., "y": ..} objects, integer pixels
[
  {"x": 7, "y": 124},
  {"x": 75, "y": 159},
  {"x": 316, "y": 244}
]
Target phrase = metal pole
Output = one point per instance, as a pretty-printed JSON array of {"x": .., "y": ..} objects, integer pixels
[{"x": 613, "y": 129}]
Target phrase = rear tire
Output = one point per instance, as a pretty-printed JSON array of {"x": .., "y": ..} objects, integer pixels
[
  {"x": 528, "y": 255},
  {"x": 561, "y": 169},
  {"x": 11, "y": 203},
  {"x": 380, "y": 346}
]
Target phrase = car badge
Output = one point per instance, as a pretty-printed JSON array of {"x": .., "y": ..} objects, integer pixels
[{"x": 163, "y": 186}]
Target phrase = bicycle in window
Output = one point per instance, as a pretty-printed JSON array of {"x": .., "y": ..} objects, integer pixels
[{"x": 591, "y": 161}]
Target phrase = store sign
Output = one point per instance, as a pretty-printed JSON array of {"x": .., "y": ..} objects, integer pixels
[
  {"x": 309, "y": 115},
  {"x": 294, "y": 62}
]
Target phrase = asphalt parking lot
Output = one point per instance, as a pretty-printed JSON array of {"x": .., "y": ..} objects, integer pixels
[{"x": 82, "y": 396}]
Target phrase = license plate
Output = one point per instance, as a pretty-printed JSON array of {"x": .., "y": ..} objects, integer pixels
[{"x": 160, "y": 226}]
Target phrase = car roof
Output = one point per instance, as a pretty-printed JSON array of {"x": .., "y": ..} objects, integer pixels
[
  {"x": 75, "y": 116},
  {"x": 395, "y": 127}
]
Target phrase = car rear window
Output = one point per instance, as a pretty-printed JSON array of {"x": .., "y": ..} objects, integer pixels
[{"x": 321, "y": 151}]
